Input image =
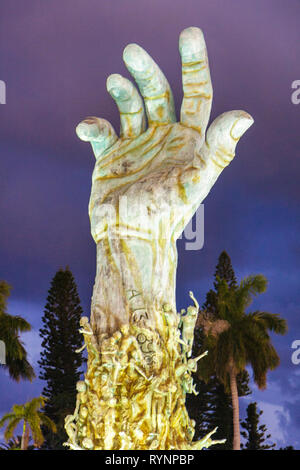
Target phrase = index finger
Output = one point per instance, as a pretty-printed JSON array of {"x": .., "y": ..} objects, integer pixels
[{"x": 152, "y": 83}]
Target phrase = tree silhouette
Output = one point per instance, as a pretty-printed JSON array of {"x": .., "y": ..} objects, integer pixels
[
  {"x": 255, "y": 433},
  {"x": 32, "y": 419},
  {"x": 60, "y": 363}
]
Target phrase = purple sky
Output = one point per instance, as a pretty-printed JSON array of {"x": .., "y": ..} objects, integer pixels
[{"x": 55, "y": 58}]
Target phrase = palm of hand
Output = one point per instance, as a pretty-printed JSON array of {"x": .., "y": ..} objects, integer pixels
[{"x": 164, "y": 172}]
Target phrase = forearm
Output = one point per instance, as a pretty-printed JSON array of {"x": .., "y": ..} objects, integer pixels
[{"x": 134, "y": 279}]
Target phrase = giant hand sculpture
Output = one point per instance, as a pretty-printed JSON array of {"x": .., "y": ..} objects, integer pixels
[
  {"x": 146, "y": 186},
  {"x": 148, "y": 183}
]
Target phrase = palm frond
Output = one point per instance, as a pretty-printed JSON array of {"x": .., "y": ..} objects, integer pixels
[
  {"x": 5, "y": 418},
  {"x": 9, "y": 431},
  {"x": 13, "y": 323},
  {"x": 20, "y": 369},
  {"x": 35, "y": 404},
  {"x": 249, "y": 287},
  {"x": 272, "y": 321},
  {"x": 5, "y": 289},
  {"x": 46, "y": 421},
  {"x": 36, "y": 431}
]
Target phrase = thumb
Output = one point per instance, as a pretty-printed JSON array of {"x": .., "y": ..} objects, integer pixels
[
  {"x": 224, "y": 134},
  {"x": 98, "y": 132}
]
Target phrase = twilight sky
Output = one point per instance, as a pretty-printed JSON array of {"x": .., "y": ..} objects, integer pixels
[{"x": 55, "y": 57}]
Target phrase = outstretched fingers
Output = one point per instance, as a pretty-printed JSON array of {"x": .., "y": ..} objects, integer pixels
[
  {"x": 152, "y": 84},
  {"x": 130, "y": 105},
  {"x": 98, "y": 132},
  {"x": 197, "y": 87},
  {"x": 224, "y": 134}
]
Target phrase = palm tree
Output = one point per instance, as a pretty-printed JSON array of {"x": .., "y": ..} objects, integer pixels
[
  {"x": 32, "y": 419},
  {"x": 14, "y": 444},
  {"x": 11, "y": 444},
  {"x": 10, "y": 327},
  {"x": 236, "y": 339}
]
